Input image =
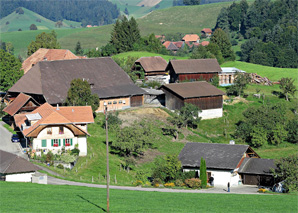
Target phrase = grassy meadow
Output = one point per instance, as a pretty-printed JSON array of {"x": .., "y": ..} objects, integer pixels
[
  {"x": 147, "y": 54},
  {"x": 23, "y": 22},
  {"x": 28, "y": 197}
]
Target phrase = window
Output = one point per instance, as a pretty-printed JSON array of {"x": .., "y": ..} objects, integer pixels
[
  {"x": 114, "y": 102},
  {"x": 120, "y": 102},
  {"x": 43, "y": 143},
  {"x": 49, "y": 130},
  {"x": 110, "y": 102},
  {"x": 55, "y": 142},
  {"x": 61, "y": 130},
  {"x": 124, "y": 102},
  {"x": 67, "y": 142}
]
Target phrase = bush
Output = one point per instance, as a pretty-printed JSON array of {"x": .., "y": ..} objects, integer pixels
[
  {"x": 194, "y": 183},
  {"x": 75, "y": 151},
  {"x": 138, "y": 183},
  {"x": 156, "y": 181},
  {"x": 60, "y": 166},
  {"x": 234, "y": 42},
  {"x": 179, "y": 182},
  {"x": 169, "y": 185}
]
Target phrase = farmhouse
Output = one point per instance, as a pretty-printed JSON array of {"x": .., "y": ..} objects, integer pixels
[
  {"x": 51, "y": 128},
  {"x": 207, "y": 32},
  {"x": 49, "y": 81},
  {"x": 191, "y": 38},
  {"x": 231, "y": 163},
  {"x": 193, "y": 69},
  {"x": 43, "y": 54},
  {"x": 15, "y": 169},
  {"x": 200, "y": 93}
]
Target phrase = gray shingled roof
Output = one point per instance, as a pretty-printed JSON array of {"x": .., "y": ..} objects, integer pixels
[
  {"x": 11, "y": 163},
  {"x": 257, "y": 166},
  {"x": 194, "y": 66},
  {"x": 217, "y": 156},
  {"x": 52, "y": 79},
  {"x": 152, "y": 64}
]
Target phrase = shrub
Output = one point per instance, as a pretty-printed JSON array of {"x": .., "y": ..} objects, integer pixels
[
  {"x": 67, "y": 158},
  {"x": 138, "y": 183},
  {"x": 75, "y": 151},
  {"x": 194, "y": 183},
  {"x": 262, "y": 190},
  {"x": 156, "y": 181},
  {"x": 60, "y": 166},
  {"x": 169, "y": 185},
  {"x": 179, "y": 182}
]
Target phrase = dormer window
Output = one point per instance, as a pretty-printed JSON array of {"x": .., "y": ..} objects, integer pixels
[
  {"x": 61, "y": 130},
  {"x": 49, "y": 130}
]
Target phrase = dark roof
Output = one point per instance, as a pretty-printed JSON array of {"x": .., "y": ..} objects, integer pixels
[
  {"x": 257, "y": 166},
  {"x": 217, "y": 156},
  {"x": 194, "y": 66},
  {"x": 172, "y": 47},
  {"x": 18, "y": 103},
  {"x": 52, "y": 79},
  {"x": 193, "y": 89},
  {"x": 152, "y": 64},
  {"x": 11, "y": 163}
]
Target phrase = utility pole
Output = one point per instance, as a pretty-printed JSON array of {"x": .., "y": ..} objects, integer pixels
[{"x": 107, "y": 145}]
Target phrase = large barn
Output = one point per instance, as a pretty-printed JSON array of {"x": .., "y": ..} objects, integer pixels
[
  {"x": 200, "y": 93},
  {"x": 49, "y": 81},
  {"x": 193, "y": 70}
]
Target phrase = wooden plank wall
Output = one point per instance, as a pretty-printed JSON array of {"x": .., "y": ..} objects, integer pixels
[
  {"x": 197, "y": 76},
  {"x": 136, "y": 101},
  {"x": 203, "y": 103}
]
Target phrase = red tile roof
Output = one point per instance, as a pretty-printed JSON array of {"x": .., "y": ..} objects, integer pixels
[
  {"x": 205, "y": 43},
  {"x": 47, "y": 55},
  {"x": 17, "y": 104},
  {"x": 191, "y": 37},
  {"x": 207, "y": 30},
  {"x": 166, "y": 43},
  {"x": 57, "y": 115}
]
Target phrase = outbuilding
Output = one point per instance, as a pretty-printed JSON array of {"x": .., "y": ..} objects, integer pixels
[
  {"x": 193, "y": 70},
  {"x": 200, "y": 93}
]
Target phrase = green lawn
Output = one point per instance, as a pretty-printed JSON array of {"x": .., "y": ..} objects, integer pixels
[
  {"x": 28, "y": 197},
  {"x": 147, "y": 54}
]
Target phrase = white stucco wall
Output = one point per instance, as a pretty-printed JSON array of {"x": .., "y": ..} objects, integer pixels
[
  {"x": 222, "y": 177},
  {"x": 82, "y": 141},
  {"x": 22, "y": 177},
  {"x": 68, "y": 134},
  {"x": 211, "y": 113}
]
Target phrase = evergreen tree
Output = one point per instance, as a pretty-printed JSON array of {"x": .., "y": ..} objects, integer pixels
[
  {"x": 78, "y": 49},
  {"x": 220, "y": 38},
  {"x": 33, "y": 27},
  {"x": 126, "y": 11},
  {"x": 203, "y": 173},
  {"x": 223, "y": 19}
]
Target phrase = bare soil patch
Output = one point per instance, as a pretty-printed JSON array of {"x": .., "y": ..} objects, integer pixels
[
  {"x": 149, "y": 156},
  {"x": 237, "y": 100}
]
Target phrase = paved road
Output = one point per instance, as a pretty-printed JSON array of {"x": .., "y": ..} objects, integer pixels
[
  {"x": 234, "y": 190},
  {"x": 6, "y": 144}
]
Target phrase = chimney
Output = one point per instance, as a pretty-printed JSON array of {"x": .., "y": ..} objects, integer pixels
[{"x": 57, "y": 107}]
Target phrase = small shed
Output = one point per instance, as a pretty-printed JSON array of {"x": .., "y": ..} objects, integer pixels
[
  {"x": 151, "y": 66},
  {"x": 200, "y": 93},
  {"x": 207, "y": 32},
  {"x": 154, "y": 96},
  {"x": 193, "y": 70},
  {"x": 227, "y": 76},
  {"x": 191, "y": 38},
  {"x": 14, "y": 168}
]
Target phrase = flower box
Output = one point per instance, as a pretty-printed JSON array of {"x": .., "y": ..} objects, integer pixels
[
  {"x": 55, "y": 145},
  {"x": 67, "y": 144}
]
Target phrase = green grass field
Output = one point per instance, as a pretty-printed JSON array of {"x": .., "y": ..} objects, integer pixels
[
  {"x": 28, "y": 197},
  {"x": 147, "y": 54},
  {"x": 23, "y": 21}
]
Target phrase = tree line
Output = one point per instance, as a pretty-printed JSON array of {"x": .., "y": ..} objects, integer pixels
[
  {"x": 95, "y": 12},
  {"x": 271, "y": 28}
]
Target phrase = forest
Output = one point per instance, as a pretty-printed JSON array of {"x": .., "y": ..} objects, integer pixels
[
  {"x": 95, "y": 12},
  {"x": 269, "y": 27}
]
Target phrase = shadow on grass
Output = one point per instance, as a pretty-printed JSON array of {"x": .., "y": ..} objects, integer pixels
[{"x": 92, "y": 203}]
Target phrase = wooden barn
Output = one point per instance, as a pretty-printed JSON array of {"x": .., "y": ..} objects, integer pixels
[
  {"x": 200, "y": 93},
  {"x": 151, "y": 66},
  {"x": 193, "y": 70}
]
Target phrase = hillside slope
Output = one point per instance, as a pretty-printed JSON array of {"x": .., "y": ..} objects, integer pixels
[{"x": 23, "y": 21}]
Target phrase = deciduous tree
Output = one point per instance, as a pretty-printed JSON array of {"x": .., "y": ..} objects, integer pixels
[
  {"x": 288, "y": 87},
  {"x": 10, "y": 70},
  {"x": 79, "y": 94},
  {"x": 43, "y": 40}
]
